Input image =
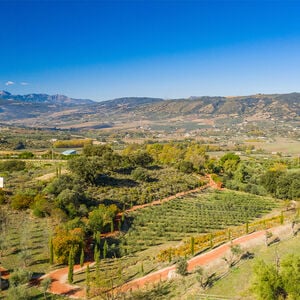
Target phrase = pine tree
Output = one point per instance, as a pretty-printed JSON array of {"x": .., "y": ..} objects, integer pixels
[
  {"x": 82, "y": 257},
  {"x": 71, "y": 266}
]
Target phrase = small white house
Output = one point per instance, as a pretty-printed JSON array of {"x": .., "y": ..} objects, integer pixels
[{"x": 1, "y": 182}]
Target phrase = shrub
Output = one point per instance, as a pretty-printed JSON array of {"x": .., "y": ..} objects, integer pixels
[
  {"x": 21, "y": 201},
  {"x": 181, "y": 267},
  {"x": 140, "y": 174},
  {"x": 3, "y": 197},
  {"x": 12, "y": 165}
]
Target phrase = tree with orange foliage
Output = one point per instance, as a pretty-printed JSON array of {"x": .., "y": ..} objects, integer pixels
[{"x": 65, "y": 240}]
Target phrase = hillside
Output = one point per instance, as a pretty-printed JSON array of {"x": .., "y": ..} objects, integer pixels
[{"x": 63, "y": 112}]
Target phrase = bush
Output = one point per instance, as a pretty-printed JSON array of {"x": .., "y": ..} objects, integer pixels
[
  {"x": 12, "y": 165},
  {"x": 21, "y": 200},
  {"x": 19, "y": 277},
  {"x": 3, "y": 197},
  {"x": 41, "y": 207},
  {"x": 181, "y": 267},
  {"x": 186, "y": 167},
  {"x": 140, "y": 174},
  {"x": 26, "y": 155}
]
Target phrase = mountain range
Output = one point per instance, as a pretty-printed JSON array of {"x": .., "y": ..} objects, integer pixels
[{"x": 42, "y": 110}]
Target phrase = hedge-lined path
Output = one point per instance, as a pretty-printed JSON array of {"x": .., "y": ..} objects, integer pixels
[
  {"x": 255, "y": 238},
  {"x": 60, "y": 286}
]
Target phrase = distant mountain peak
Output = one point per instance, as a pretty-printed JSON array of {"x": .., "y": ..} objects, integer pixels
[
  {"x": 44, "y": 98},
  {"x": 4, "y": 93}
]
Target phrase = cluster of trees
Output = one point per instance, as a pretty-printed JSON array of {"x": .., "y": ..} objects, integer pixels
[
  {"x": 188, "y": 157},
  {"x": 282, "y": 184},
  {"x": 277, "y": 281},
  {"x": 76, "y": 143},
  {"x": 73, "y": 234},
  {"x": 259, "y": 177}
]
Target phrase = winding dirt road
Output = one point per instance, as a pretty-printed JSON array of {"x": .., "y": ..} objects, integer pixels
[{"x": 59, "y": 283}]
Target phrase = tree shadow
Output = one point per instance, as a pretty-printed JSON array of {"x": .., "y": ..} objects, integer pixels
[
  {"x": 39, "y": 261},
  {"x": 115, "y": 182},
  {"x": 153, "y": 168}
]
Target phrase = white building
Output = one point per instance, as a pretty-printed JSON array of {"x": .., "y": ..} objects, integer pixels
[{"x": 1, "y": 182}]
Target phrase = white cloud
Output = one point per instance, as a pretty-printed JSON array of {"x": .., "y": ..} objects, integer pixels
[
  {"x": 7, "y": 83},
  {"x": 24, "y": 83}
]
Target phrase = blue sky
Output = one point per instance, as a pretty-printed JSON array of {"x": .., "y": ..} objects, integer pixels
[{"x": 170, "y": 49}]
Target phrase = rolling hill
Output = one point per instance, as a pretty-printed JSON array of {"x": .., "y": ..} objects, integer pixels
[{"x": 62, "y": 112}]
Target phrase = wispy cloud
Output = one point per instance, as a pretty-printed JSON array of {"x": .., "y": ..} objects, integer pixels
[
  {"x": 24, "y": 83},
  {"x": 7, "y": 83}
]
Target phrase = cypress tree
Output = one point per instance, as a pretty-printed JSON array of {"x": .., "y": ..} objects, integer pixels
[
  {"x": 229, "y": 234},
  {"x": 112, "y": 226},
  {"x": 97, "y": 273},
  {"x": 96, "y": 252},
  {"x": 51, "y": 259},
  {"x": 170, "y": 255},
  {"x": 98, "y": 238},
  {"x": 211, "y": 240},
  {"x": 105, "y": 249},
  {"x": 82, "y": 257},
  {"x": 71, "y": 266},
  {"x": 87, "y": 281},
  {"x": 192, "y": 245},
  {"x": 281, "y": 218}
]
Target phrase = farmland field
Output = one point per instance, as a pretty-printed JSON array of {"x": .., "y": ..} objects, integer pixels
[
  {"x": 192, "y": 215},
  {"x": 157, "y": 228}
]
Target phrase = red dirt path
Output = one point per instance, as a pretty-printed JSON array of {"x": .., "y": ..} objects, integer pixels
[
  {"x": 199, "y": 260},
  {"x": 60, "y": 286},
  {"x": 59, "y": 277},
  {"x": 59, "y": 283}
]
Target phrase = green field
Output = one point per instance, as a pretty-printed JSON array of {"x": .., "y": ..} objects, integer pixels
[
  {"x": 237, "y": 283},
  {"x": 193, "y": 215}
]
